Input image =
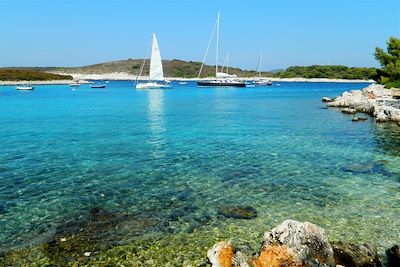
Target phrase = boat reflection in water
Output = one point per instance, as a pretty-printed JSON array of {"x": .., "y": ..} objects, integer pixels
[{"x": 156, "y": 122}]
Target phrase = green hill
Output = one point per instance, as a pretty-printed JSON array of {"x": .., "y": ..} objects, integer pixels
[
  {"x": 14, "y": 74},
  {"x": 332, "y": 72},
  {"x": 172, "y": 68},
  {"x": 190, "y": 69}
]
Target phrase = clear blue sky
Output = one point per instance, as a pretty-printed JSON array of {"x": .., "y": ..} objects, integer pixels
[{"x": 288, "y": 32}]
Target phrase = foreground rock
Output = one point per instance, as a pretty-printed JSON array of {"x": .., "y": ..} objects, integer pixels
[
  {"x": 384, "y": 104},
  {"x": 292, "y": 243},
  {"x": 356, "y": 255},
  {"x": 306, "y": 240},
  {"x": 393, "y": 255},
  {"x": 221, "y": 255}
]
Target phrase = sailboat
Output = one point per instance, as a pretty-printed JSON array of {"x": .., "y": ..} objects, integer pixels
[
  {"x": 260, "y": 81},
  {"x": 221, "y": 78},
  {"x": 156, "y": 74}
]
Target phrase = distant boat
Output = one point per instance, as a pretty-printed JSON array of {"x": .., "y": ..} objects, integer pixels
[
  {"x": 75, "y": 84},
  {"x": 221, "y": 78},
  {"x": 25, "y": 87},
  {"x": 156, "y": 74},
  {"x": 260, "y": 81},
  {"x": 98, "y": 86},
  {"x": 182, "y": 82}
]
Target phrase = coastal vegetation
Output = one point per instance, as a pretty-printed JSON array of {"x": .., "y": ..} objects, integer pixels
[
  {"x": 190, "y": 69},
  {"x": 389, "y": 74},
  {"x": 30, "y": 75},
  {"x": 330, "y": 72}
]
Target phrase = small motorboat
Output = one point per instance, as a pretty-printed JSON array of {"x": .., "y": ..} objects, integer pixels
[
  {"x": 182, "y": 82},
  {"x": 25, "y": 87},
  {"x": 263, "y": 82},
  {"x": 250, "y": 84},
  {"x": 98, "y": 86}
]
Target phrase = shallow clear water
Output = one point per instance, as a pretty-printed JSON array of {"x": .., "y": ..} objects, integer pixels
[{"x": 175, "y": 156}]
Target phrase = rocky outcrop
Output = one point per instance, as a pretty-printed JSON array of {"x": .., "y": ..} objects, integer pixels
[
  {"x": 374, "y": 100},
  {"x": 348, "y": 110},
  {"x": 292, "y": 243},
  {"x": 393, "y": 255},
  {"x": 356, "y": 255},
  {"x": 327, "y": 99},
  {"x": 308, "y": 242}
]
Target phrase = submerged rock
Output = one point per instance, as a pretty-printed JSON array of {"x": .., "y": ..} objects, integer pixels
[
  {"x": 348, "y": 110},
  {"x": 359, "y": 119},
  {"x": 2, "y": 209},
  {"x": 367, "y": 167},
  {"x": 356, "y": 255},
  {"x": 393, "y": 255},
  {"x": 238, "y": 212},
  {"x": 95, "y": 231},
  {"x": 307, "y": 241}
]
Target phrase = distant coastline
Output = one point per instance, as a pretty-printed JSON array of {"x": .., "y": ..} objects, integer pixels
[
  {"x": 130, "y": 77},
  {"x": 86, "y": 78}
]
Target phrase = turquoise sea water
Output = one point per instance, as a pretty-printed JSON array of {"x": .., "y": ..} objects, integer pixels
[{"x": 170, "y": 159}]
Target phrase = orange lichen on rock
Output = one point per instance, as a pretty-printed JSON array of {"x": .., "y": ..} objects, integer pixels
[
  {"x": 221, "y": 254},
  {"x": 225, "y": 256},
  {"x": 277, "y": 256}
]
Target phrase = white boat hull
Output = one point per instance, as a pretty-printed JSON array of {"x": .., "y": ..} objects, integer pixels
[
  {"x": 152, "y": 86},
  {"x": 25, "y": 88}
]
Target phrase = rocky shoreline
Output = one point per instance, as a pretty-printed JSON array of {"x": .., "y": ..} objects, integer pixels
[
  {"x": 375, "y": 100},
  {"x": 302, "y": 244}
]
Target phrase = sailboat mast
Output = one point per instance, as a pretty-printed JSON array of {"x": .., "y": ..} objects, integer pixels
[
  {"x": 259, "y": 70},
  {"x": 227, "y": 63},
  {"x": 216, "y": 54}
]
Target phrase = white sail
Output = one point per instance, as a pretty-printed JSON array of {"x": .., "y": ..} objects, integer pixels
[{"x": 156, "y": 70}]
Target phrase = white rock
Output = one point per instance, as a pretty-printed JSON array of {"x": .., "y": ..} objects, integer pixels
[
  {"x": 306, "y": 240},
  {"x": 87, "y": 254}
]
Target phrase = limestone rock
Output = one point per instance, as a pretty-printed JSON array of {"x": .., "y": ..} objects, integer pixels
[
  {"x": 374, "y": 100},
  {"x": 386, "y": 113},
  {"x": 327, "y": 99},
  {"x": 240, "y": 260},
  {"x": 356, "y": 255},
  {"x": 393, "y": 255},
  {"x": 221, "y": 254},
  {"x": 348, "y": 110},
  {"x": 308, "y": 242},
  {"x": 359, "y": 119}
]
